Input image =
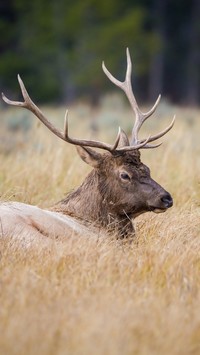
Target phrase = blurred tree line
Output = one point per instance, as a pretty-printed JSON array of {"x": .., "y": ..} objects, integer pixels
[{"x": 57, "y": 46}]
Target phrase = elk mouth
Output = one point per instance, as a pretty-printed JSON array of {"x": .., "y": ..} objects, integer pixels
[{"x": 157, "y": 209}]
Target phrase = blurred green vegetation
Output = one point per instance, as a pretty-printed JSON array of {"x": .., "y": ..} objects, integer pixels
[{"x": 57, "y": 46}]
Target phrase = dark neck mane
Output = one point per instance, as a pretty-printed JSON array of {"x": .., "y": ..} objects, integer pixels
[{"x": 88, "y": 204}]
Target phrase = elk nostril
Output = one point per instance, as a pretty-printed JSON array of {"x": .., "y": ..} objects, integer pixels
[{"x": 167, "y": 200}]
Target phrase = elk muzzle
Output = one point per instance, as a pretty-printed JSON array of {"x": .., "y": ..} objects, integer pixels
[
  {"x": 159, "y": 200},
  {"x": 162, "y": 203}
]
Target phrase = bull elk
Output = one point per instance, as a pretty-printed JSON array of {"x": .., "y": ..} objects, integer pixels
[{"x": 118, "y": 189}]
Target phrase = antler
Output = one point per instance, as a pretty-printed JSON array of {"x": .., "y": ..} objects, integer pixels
[
  {"x": 127, "y": 88},
  {"x": 29, "y": 105},
  {"x": 140, "y": 117}
]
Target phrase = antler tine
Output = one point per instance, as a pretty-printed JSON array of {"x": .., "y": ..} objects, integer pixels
[
  {"x": 126, "y": 84},
  {"x": 127, "y": 88},
  {"x": 162, "y": 133},
  {"x": 89, "y": 143},
  {"x": 29, "y": 105},
  {"x": 153, "y": 109}
]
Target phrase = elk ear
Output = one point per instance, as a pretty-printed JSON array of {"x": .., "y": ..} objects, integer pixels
[
  {"x": 89, "y": 156},
  {"x": 123, "y": 141}
]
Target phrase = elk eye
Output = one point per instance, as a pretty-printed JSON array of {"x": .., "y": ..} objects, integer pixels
[{"x": 125, "y": 176}]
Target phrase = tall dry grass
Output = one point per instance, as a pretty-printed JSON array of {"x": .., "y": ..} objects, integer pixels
[{"x": 99, "y": 296}]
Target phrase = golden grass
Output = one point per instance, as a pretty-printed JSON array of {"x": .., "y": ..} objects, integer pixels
[{"x": 101, "y": 297}]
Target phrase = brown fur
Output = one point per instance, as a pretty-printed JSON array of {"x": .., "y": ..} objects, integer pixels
[{"x": 106, "y": 200}]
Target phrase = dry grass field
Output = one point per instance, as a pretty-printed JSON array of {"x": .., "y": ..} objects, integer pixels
[{"x": 101, "y": 297}]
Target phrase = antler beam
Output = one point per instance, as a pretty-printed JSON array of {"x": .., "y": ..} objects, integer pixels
[{"x": 29, "y": 105}]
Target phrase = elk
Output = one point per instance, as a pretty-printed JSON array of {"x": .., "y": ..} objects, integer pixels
[{"x": 117, "y": 190}]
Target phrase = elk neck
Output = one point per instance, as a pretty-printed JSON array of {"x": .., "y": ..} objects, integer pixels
[{"x": 89, "y": 204}]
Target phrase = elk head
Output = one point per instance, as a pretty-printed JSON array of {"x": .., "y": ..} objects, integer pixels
[{"x": 124, "y": 184}]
